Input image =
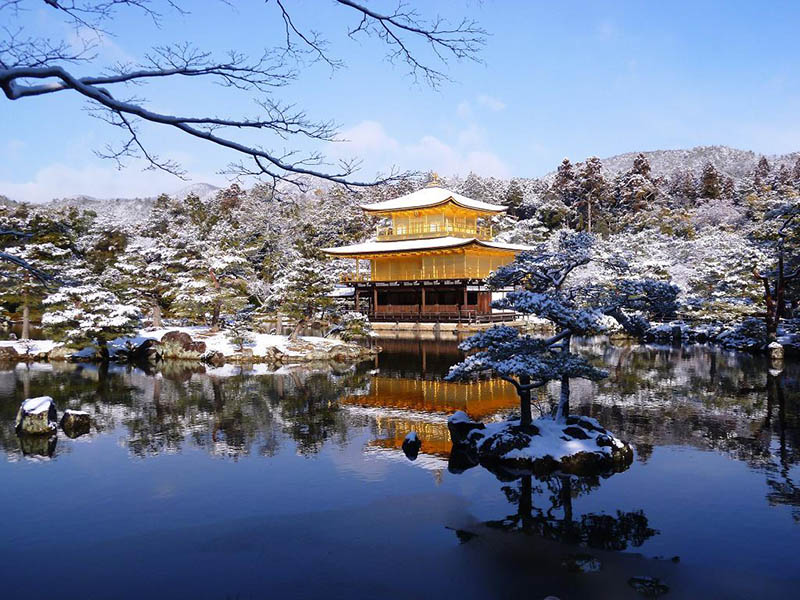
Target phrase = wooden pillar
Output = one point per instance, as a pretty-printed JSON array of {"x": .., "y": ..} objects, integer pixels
[
  {"x": 356, "y": 299},
  {"x": 465, "y": 295},
  {"x": 357, "y": 263},
  {"x": 375, "y": 300},
  {"x": 423, "y": 298}
]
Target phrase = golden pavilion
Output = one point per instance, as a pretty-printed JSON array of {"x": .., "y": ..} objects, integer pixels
[{"x": 431, "y": 261}]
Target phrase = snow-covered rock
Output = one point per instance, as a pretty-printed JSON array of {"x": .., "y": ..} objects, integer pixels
[
  {"x": 37, "y": 416},
  {"x": 460, "y": 426},
  {"x": 179, "y": 344},
  {"x": 578, "y": 445},
  {"x": 412, "y": 445},
  {"x": 75, "y": 423}
]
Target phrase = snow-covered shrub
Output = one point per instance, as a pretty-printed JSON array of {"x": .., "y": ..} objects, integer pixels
[
  {"x": 354, "y": 326},
  {"x": 86, "y": 313},
  {"x": 750, "y": 334}
]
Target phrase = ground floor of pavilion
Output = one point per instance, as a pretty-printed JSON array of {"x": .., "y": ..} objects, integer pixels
[{"x": 456, "y": 300}]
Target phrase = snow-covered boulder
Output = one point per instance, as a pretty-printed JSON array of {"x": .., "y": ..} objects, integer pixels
[
  {"x": 412, "y": 445},
  {"x": 75, "y": 423},
  {"x": 37, "y": 416},
  {"x": 577, "y": 445},
  {"x": 215, "y": 358},
  {"x": 460, "y": 426},
  {"x": 179, "y": 344}
]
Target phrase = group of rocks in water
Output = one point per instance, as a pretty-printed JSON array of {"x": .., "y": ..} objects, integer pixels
[{"x": 37, "y": 425}]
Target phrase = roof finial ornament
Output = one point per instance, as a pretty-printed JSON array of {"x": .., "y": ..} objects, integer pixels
[{"x": 433, "y": 180}]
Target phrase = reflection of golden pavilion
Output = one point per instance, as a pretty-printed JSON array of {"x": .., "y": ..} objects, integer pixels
[
  {"x": 478, "y": 399},
  {"x": 431, "y": 263}
]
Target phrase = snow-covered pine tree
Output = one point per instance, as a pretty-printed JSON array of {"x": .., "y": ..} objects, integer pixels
[
  {"x": 84, "y": 312},
  {"x": 528, "y": 362},
  {"x": 43, "y": 239},
  {"x": 301, "y": 292}
]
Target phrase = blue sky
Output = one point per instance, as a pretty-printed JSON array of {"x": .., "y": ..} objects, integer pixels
[{"x": 557, "y": 79}]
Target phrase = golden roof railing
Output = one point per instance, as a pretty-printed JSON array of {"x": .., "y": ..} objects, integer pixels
[{"x": 386, "y": 234}]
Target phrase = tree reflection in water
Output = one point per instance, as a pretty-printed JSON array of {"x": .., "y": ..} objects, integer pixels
[
  {"x": 693, "y": 396},
  {"x": 556, "y": 521},
  {"x": 783, "y": 490},
  {"x": 181, "y": 403}
]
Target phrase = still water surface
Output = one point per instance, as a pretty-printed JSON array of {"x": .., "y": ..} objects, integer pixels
[{"x": 292, "y": 484}]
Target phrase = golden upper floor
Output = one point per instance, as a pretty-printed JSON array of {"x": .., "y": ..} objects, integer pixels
[{"x": 434, "y": 212}]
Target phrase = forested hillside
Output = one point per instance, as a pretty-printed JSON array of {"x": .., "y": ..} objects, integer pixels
[{"x": 701, "y": 218}]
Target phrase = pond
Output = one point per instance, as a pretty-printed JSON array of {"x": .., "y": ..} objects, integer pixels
[{"x": 250, "y": 483}]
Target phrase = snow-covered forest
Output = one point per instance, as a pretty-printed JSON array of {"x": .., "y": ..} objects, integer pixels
[{"x": 702, "y": 219}]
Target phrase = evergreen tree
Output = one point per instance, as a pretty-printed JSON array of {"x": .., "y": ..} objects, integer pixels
[
  {"x": 796, "y": 174},
  {"x": 46, "y": 241},
  {"x": 684, "y": 185},
  {"x": 710, "y": 182},
  {"x": 761, "y": 174},
  {"x": 594, "y": 191},
  {"x": 564, "y": 183},
  {"x": 213, "y": 284},
  {"x": 87, "y": 313},
  {"x": 641, "y": 166},
  {"x": 301, "y": 292},
  {"x": 514, "y": 195},
  {"x": 783, "y": 177},
  {"x": 728, "y": 188}
]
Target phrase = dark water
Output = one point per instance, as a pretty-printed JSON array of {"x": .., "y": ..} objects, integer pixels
[{"x": 293, "y": 484}]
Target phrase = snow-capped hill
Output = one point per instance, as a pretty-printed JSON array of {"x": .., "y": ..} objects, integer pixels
[
  {"x": 115, "y": 210},
  {"x": 201, "y": 190},
  {"x": 735, "y": 163}
]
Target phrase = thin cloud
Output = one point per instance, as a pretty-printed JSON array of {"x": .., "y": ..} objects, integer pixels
[{"x": 490, "y": 102}]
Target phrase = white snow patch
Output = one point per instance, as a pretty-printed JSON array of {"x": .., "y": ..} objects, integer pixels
[
  {"x": 550, "y": 441},
  {"x": 412, "y": 437},
  {"x": 30, "y": 346},
  {"x": 36, "y": 406},
  {"x": 261, "y": 345},
  {"x": 431, "y": 196},
  {"x": 424, "y": 244},
  {"x": 459, "y": 417}
]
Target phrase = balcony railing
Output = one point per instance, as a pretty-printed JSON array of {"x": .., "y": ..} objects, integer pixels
[
  {"x": 386, "y": 234},
  {"x": 354, "y": 277}
]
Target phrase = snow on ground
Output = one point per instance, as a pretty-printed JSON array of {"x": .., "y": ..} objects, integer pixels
[
  {"x": 215, "y": 342},
  {"x": 30, "y": 346},
  {"x": 219, "y": 342},
  {"x": 551, "y": 439}
]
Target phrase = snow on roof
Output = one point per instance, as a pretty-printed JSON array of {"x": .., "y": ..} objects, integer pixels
[
  {"x": 431, "y": 196},
  {"x": 419, "y": 245}
]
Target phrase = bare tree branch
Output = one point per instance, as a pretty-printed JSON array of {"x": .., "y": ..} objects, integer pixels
[{"x": 36, "y": 66}]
